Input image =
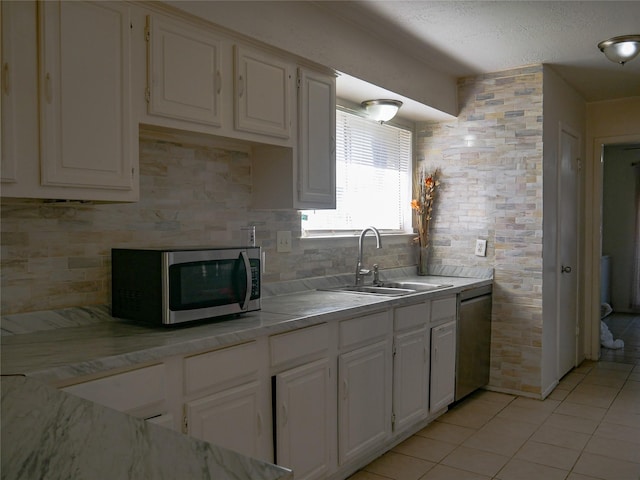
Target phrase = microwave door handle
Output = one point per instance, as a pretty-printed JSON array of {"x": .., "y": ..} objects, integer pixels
[{"x": 247, "y": 268}]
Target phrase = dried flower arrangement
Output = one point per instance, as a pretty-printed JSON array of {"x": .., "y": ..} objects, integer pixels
[{"x": 425, "y": 185}]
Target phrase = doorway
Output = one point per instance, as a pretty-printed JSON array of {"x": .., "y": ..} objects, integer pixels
[{"x": 597, "y": 285}]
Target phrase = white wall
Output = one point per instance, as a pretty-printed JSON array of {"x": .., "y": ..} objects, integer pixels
[
  {"x": 310, "y": 31},
  {"x": 562, "y": 106}
]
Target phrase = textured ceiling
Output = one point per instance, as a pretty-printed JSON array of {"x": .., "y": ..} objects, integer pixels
[{"x": 465, "y": 38}]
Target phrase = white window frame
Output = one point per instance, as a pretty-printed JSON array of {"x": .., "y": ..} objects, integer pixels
[{"x": 405, "y": 203}]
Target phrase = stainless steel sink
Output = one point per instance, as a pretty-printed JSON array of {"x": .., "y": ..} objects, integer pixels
[
  {"x": 418, "y": 286},
  {"x": 389, "y": 288},
  {"x": 377, "y": 290}
]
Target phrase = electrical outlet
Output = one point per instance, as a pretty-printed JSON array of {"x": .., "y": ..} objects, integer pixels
[
  {"x": 283, "y": 241},
  {"x": 481, "y": 248}
]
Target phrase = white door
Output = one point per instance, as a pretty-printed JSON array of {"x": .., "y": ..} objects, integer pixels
[
  {"x": 364, "y": 407},
  {"x": 302, "y": 413},
  {"x": 567, "y": 253}
]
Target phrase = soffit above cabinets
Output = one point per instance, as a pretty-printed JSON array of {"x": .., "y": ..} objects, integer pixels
[{"x": 355, "y": 91}]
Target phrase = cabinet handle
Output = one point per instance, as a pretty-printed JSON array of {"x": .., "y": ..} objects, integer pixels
[
  {"x": 47, "y": 87},
  {"x": 218, "y": 82},
  {"x": 285, "y": 417},
  {"x": 259, "y": 424},
  {"x": 240, "y": 86},
  {"x": 345, "y": 388},
  {"x": 436, "y": 353},
  {"x": 5, "y": 78}
]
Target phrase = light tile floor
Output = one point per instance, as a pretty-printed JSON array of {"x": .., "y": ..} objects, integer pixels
[{"x": 588, "y": 428}]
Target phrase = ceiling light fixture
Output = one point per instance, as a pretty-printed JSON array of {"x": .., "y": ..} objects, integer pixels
[
  {"x": 381, "y": 110},
  {"x": 621, "y": 49}
]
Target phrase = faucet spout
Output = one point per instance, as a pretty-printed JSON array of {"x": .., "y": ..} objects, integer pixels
[{"x": 360, "y": 272}]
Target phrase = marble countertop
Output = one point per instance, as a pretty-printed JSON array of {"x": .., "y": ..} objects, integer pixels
[
  {"x": 68, "y": 434},
  {"x": 70, "y": 343},
  {"x": 71, "y": 438}
]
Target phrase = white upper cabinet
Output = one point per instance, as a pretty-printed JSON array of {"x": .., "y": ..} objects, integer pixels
[
  {"x": 184, "y": 72},
  {"x": 86, "y": 134},
  {"x": 262, "y": 93},
  {"x": 316, "y": 139}
]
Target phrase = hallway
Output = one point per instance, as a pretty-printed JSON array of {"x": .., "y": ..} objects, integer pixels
[
  {"x": 587, "y": 429},
  {"x": 625, "y": 326}
]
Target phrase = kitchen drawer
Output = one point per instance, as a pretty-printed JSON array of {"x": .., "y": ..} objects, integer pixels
[
  {"x": 410, "y": 316},
  {"x": 220, "y": 367},
  {"x": 133, "y": 392},
  {"x": 443, "y": 309},
  {"x": 363, "y": 330},
  {"x": 287, "y": 347}
]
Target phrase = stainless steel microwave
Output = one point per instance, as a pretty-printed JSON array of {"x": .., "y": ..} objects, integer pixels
[{"x": 171, "y": 286}]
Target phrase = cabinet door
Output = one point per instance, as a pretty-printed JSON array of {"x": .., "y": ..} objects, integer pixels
[
  {"x": 185, "y": 79},
  {"x": 410, "y": 377},
  {"x": 231, "y": 418},
  {"x": 317, "y": 139},
  {"x": 303, "y": 422},
  {"x": 443, "y": 365},
  {"x": 263, "y": 93},
  {"x": 364, "y": 411},
  {"x": 19, "y": 96},
  {"x": 86, "y": 134}
]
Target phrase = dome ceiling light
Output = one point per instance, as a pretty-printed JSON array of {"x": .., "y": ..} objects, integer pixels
[
  {"x": 621, "y": 49},
  {"x": 381, "y": 110}
]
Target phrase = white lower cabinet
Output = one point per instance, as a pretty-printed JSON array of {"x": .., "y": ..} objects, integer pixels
[
  {"x": 443, "y": 364},
  {"x": 443, "y": 352},
  {"x": 410, "y": 365},
  {"x": 364, "y": 385},
  {"x": 232, "y": 418},
  {"x": 323, "y": 400},
  {"x": 303, "y": 429},
  {"x": 227, "y": 399}
]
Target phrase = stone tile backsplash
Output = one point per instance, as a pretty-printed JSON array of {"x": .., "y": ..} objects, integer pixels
[{"x": 58, "y": 255}]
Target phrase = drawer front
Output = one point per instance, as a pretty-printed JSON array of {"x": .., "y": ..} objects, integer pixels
[
  {"x": 220, "y": 367},
  {"x": 125, "y": 392},
  {"x": 410, "y": 316},
  {"x": 287, "y": 347},
  {"x": 364, "y": 329},
  {"x": 443, "y": 309}
]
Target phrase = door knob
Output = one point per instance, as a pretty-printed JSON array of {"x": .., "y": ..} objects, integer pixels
[{"x": 565, "y": 269}]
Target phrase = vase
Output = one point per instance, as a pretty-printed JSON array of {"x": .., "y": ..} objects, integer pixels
[{"x": 423, "y": 260}]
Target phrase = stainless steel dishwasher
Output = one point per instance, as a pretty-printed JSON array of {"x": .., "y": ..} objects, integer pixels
[{"x": 473, "y": 340}]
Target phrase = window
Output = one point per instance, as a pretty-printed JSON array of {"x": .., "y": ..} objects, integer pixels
[{"x": 373, "y": 179}]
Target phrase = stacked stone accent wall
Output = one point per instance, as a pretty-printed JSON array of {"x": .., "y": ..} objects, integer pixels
[{"x": 491, "y": 163}]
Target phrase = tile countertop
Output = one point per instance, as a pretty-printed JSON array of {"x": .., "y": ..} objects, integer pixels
[
  {"x": 75, "y": 342},
  {"x": 67, "y": 439}
]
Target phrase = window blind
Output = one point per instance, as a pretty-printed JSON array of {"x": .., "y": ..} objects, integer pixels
[{"x": 373, "y": 178}]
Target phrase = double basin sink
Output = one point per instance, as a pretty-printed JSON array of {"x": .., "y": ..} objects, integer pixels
[{"x": 390, "y": 288}]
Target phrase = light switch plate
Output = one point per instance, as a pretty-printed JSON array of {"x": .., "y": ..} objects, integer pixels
[
  {"x": 481, "y": 248},
  {"x": 283, "y": 241}
]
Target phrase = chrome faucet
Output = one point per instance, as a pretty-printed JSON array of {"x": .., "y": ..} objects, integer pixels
[{"x": 360, "y": 272}]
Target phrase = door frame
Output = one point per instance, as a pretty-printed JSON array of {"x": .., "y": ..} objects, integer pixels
[{"x": 592, "y": 261}]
